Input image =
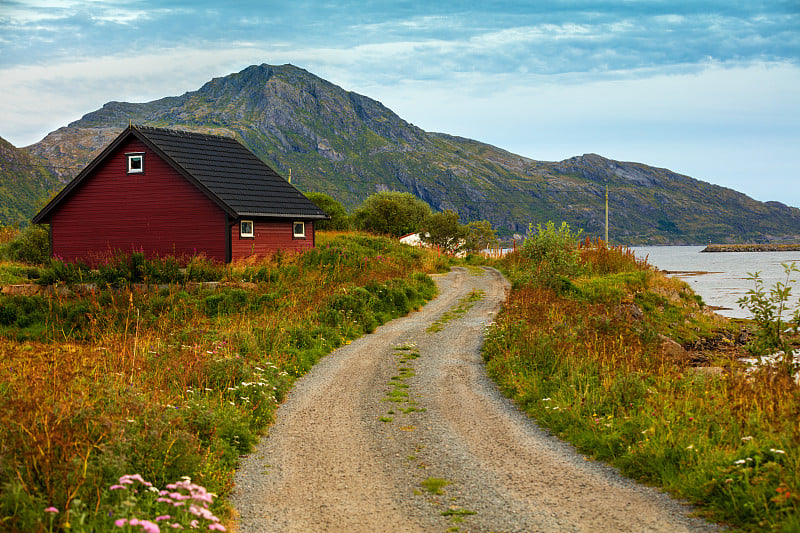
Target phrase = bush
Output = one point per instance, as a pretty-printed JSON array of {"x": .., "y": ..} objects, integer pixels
[
  {"x": 553, "y": 253},
  {"x": 391, "y": 213},
  {"x": 32, "y": 246},
  {"x": 339, "y": 220}
]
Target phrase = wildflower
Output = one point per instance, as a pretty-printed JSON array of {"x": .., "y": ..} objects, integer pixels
[
  {"x": 218, "y": 527},
  {"x": 739, "y": 462},
  {"x": 749, "y": 437},
  {"x": 51, "y": 510},
  {"x": 149, "y": 527},
  {"x": 163, "y": 517},
  {"x": 690, "y": 447},
  {"x": 194, "y": 523},
  {"x": 120, "y": 522},
  {"x": 116, "y": 487},
  {"x": 773, "y": 450}
]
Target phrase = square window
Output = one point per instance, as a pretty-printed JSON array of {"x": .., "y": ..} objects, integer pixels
[
  {"x": 299, "y": 230},
  {"x": 135, "y": 163},
  {"x": 246, "y": 229}
]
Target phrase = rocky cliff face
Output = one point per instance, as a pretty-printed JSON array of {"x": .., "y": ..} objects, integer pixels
[{"x": 350, "y": 146}]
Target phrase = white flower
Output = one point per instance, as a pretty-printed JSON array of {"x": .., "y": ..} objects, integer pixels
[
  {"x": 776, "y": 451},
  {"x": 747, "y": 438},
  {"x": 739, "y": 462}
]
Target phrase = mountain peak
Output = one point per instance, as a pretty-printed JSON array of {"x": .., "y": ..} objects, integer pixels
[{"x": 350, "y": 146}]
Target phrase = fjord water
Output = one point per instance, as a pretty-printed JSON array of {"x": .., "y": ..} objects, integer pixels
[{"x": 720, "y": 278}]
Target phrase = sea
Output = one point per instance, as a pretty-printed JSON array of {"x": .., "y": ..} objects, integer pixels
[{"x": 720, "y": 278}]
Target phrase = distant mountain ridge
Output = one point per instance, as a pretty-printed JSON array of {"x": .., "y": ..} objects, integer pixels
[{"x": 350, "y": 146}]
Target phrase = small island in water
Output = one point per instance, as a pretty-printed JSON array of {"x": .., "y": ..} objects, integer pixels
[{"x": 752, "y": 248}]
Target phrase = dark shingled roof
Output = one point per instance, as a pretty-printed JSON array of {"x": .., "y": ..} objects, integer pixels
[{"x": 230, "y": 174}]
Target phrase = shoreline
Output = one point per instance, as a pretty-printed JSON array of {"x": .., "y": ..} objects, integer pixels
[{"x": 752, "y": 248}]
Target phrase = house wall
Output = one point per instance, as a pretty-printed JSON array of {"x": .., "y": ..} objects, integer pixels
[
  {"x": 270, "y": 236},
  {"x": 158, "y": 212}
]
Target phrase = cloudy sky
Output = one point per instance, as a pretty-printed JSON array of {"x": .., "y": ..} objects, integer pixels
[{"x": 706, "y": 88}]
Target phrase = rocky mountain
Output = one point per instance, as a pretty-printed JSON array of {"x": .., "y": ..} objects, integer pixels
[
  {"x": 25, "y": 185},
  {"x": 349, "y": 146}
]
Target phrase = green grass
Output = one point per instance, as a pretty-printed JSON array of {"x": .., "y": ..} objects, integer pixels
[
  {"x": 464, "y": 304},
  {"x": 177, "y": 381},
  {"x": 573, "y": 358},
  {"x": 434, "y": 485}
]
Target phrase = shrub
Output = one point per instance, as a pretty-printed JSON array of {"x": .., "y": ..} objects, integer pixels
[
  {"x": 339, "y": 220},
  {"x": 391, "y": 213},
  {"x": 552, "y": 252},
  {"x": 32, "y": 246}
]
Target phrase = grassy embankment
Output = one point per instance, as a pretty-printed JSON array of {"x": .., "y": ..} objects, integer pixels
[
  {"x": 172, "y": 381},
  {"x": 580, "y": 347}
]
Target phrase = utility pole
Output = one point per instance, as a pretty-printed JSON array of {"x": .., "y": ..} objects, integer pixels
[{"x": 606, "y": 212}]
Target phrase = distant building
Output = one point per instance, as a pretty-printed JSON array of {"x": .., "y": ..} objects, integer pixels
[{"x": 165, "y": 192}]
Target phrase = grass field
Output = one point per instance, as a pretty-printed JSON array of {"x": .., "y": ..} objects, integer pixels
[
  {"x": 585, "y": 355},
  {"x": 172, "y": 380}
]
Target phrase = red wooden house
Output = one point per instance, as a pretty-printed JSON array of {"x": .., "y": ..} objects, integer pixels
[{"x": 165, "y": 192}]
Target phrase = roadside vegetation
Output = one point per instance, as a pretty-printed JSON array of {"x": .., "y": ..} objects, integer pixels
[
  {"x": 146, "y": 379},
  {"x": 591, "y": 344},
  {"x": 128, "y": 388}
]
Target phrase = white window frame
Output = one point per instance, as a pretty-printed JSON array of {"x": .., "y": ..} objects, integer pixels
[
  {"x": 244, "y": 234},
  {"x": 297, "y": 235},
  {"x": 139, "y": 156}
]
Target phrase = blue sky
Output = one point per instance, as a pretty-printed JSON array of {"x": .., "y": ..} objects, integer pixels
[{"x": 706, "y": 88}]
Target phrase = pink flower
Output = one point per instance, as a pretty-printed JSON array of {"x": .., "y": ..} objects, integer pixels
[
  {"x": 218, "y": 527},
  {"x": 194, "y": 523},
  {"x": 116, "y": 487},
  {"x": 51, "y": 510},
  {"x": 163, "y": 517},
  {"x": 130, "y": 478},
  {"x": 165, "y": 500},
  {"x": 149, "y": 527},
  {"x": 120, "y": 522}
]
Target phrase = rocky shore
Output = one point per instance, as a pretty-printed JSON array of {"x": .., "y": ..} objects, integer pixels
[{"x": 752, "y": 248}]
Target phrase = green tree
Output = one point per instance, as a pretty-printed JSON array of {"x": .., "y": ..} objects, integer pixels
[
  {"x": 480, "y": 236},
  {"x": 443, "y": 230},
  {"x": 339, "y": 221},
  {"x": 391, "y": 213}
]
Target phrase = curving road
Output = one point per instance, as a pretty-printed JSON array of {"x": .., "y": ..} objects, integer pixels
[{"x": 367, "y": 439}]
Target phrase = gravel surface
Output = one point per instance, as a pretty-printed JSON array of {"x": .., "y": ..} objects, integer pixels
[{"x": 342, "y": 456}]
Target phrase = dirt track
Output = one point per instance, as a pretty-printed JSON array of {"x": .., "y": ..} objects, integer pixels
[{"x": 338, "y": 460}]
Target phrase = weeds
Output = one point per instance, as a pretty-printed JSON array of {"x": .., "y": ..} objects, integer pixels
[
  {"x": 176, "y": 380},
  {"x": 434, "y": 485},
  {"x": 773, "y": 331},
  {"x": 582, "y": 354}
]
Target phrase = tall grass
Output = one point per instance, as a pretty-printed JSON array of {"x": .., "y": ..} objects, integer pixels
[
  {"x": 586, "y": 358},
  {"x": 176, "y": 380}
]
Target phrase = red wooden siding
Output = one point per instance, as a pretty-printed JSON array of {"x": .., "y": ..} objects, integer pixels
[
  {"x": 158, "y": 212},
  {"x": 269, "y": 236}
]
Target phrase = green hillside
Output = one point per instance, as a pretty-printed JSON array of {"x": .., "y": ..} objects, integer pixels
[
  {"x": 25, "y": 185},
  {"x": 350, "y": 146}
]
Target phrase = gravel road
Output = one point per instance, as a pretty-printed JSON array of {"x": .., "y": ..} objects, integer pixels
[{"x": 361, "y": 433}]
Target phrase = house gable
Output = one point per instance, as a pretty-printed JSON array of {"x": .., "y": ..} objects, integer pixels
[
  {"x": 156, "y": 211},
  {"x": 166, "y": 192}
]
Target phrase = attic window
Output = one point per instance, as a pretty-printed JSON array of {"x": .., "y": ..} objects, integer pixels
[
  {"x": 246, "y": 229},
  {"x": 135, "y": 163},
  {"x": 299, "y": 230}
]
